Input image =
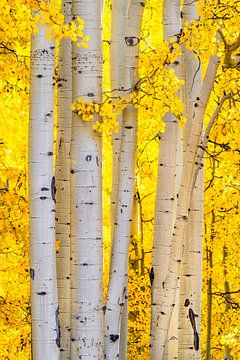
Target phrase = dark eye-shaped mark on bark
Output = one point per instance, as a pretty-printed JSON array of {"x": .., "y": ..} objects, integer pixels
[
  {"x": 113, "y": 337},
  {"x": 88, "y": 157},
  {"x": 131, "y": 40}
]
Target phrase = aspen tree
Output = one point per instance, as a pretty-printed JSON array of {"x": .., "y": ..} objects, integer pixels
[
  {"x": 191, "y": 279},
  {"x": 190, "y": 168},
  {"x": 44, "y": 307},
  {"x": 165, "y": 204},
  {"x": 86, "y": 193},
  {"x": 191, "y": 268},
  {"x": 62, "y": 174},
  {"x": 117, "y": 44},
  {"x": 122, "y": 225}
]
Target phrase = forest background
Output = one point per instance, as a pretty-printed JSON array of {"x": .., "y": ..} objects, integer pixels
[{"x": 220, "y": 302}]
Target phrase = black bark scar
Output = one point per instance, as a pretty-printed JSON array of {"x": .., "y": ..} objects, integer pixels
[
  {"x": 195, "y": 333},
  {"x": 151, "y": 276},
  {"x": 53, "y": 188},
  {"x": 58, "y": 338}
]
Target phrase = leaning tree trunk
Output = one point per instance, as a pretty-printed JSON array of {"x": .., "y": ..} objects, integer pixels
[
  {"x": 86, "y": 194},
  {"x": 44, "y": 307},
  {"x": 166, "y": 194},
  {"x": 62, "y": 175},
  {"x": 122, "y": 224}
]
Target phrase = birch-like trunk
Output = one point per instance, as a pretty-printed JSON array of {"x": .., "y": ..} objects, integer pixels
[
  {"x": 191, "y": 279},
  {"x": 117, "y": 46},
  {"x": 122, "y": 224},
  {"x": 119, "y": 18},
  {"x": 86, "y": 194},
  {"x": 62, "y": 175},
  {"x": 44, "y": 306},
  {"x": 190, "y": 169},
  {"x": 165, "y": 207},
  {"x": 191, "y": 268}
]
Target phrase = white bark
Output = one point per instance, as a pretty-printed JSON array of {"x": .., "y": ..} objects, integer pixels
[
  {"x": 86, "y": 194},
  {"x": 62, "y": 174},
  {"x": 163, "y": 222},
  {"x": 191, "y": 279},
  {"x": 190, "y": 285},
  {"x": 119, "y": 17},
  {"x": 167, "y": 189},
  {"x": 117, "y": 47},
  {"x": 44, "y": 307},
  {"x": 178, "y": 238},
  {"x": 122, "y": 225}
]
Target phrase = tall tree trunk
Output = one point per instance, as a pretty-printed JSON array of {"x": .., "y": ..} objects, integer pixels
[
  {"x": 44, "y": 307},
  {"x": 190, "y": 170},
  {"x": 119, "y": 17},
  {"x": 62, "y": 174},
  {"x": 165, "y": 207},
  {"x": 86, "y": 194},
  {"x": 117, "y": 46},
  {"x": 122, "y": 224},
  {"x": 191, "y": 279},
  {"x": 191, "y": 268}
]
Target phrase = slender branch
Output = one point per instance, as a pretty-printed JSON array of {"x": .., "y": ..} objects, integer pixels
[
  {"x": 230, "y": 61},
  {"x": 203, "y": 145}
]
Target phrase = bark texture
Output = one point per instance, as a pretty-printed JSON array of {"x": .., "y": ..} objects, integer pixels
[
  {"x": 166, "y": 196},
  {"x": 44, "y": 307},
  {"x": 191, "y": 279},
  {"x": 62, "y": 174},
  {"x": 86, "y": 194},
  {"x": 122, "y": 225}
]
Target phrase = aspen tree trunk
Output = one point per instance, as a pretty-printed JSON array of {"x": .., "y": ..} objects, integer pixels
[
  {"x": 62, "y": 174},
  {"x": 122, "y": 225},
  {"x": 165, "y": 207},
  {"x": 191, "y": 268},
  {"x": 190, "y": 169},
  {"x": 44, "y": 307},
  {"x": 119, "y": 17},
  {"x": 117, "y": 46},
  {"x": 86, "y": 194},
  {"x": 191, "y": 279}
]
